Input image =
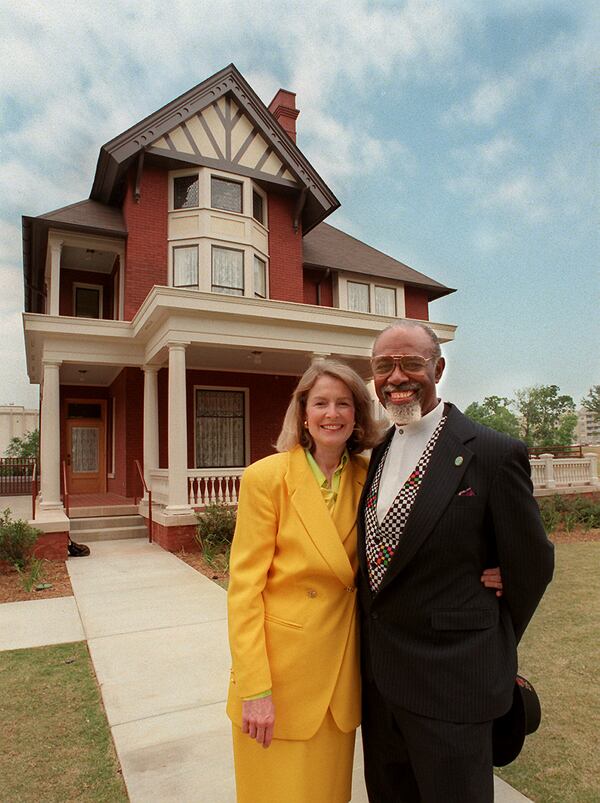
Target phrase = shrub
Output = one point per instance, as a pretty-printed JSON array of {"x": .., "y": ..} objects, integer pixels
[
  {"x": 214, "y": 534},
  {"x": 16, "y": 540},
  {"x": 216, "y": 525},
  {"x": 569, "y": 512}
]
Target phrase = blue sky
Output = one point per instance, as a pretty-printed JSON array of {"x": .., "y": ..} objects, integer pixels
[{"x": 460, "y": 137}]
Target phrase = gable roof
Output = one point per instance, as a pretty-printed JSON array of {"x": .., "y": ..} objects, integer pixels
[
  {"x": 328, "y": 247},
  {"x": 183, "y": 132}
]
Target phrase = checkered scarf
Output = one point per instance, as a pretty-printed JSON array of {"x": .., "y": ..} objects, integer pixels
[{"x": 382, "y": 539}]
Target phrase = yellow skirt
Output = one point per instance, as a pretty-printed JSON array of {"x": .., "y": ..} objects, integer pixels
[{"x": 318, "y": 770}]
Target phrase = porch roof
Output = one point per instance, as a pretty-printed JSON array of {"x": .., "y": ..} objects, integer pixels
[{"x": 221, "y": 333}]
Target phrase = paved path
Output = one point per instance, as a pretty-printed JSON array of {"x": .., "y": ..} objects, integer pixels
[{"x": 156, "y": 631}]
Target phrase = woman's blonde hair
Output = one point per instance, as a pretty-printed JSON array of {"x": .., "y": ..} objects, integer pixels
[{"x": 366, "y": 432}]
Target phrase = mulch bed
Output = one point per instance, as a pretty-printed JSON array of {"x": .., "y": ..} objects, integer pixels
[
  {"x": 55, "y": 573},
  {"x": 197, "y": 562},
  {"x": 576, "y": 536}
]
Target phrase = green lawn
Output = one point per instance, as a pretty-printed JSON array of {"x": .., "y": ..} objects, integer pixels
[
  {"x": 56, "y": 744},
  {"x": 560, "y": 654}
]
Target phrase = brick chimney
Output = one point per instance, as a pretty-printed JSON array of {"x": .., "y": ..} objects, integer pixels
[{"x": 283, "y": 108}]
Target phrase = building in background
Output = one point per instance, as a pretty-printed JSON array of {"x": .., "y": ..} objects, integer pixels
[
  {"x": 168, "y": 316},
  {"x": 15, "y": 421},
  {"x": 588, "y": 428}
]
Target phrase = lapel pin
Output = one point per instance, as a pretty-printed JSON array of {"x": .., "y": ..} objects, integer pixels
[{"x": 458, "y": 461}]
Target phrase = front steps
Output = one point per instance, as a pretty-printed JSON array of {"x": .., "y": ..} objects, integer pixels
[{"x": 84, "y": 530}]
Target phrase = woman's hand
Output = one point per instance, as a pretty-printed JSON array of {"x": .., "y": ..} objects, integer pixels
[
  {"x": 492, "y": 578},
  {"x": 258, "y": 719}
]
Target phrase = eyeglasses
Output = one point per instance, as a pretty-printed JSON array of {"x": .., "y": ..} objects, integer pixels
[{"x": 409, "y": 363}]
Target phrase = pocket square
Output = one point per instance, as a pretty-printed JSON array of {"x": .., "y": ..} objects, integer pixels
[{"x": 467, "y": 492}]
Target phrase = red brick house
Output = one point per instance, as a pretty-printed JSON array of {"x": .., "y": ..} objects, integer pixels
[{"x": 168, "y": 316}]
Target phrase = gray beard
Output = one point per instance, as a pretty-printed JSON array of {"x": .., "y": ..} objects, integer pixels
[{"x": 403, "y": 414}]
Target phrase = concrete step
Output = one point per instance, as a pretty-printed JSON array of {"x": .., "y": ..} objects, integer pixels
[
  {"x": 107, "y": 528},
  {"x": 94, "y": 522}
]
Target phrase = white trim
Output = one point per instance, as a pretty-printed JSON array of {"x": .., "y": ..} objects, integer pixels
[
  {"x": 111, "y": 474},
  {"x": 85, "y": 286},
  {"x": 238, "y": 389}
]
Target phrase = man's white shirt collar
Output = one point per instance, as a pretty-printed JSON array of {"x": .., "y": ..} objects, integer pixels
[{"x": 406, "y": 448}]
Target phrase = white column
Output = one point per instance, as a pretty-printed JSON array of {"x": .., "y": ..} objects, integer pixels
[
  {"x": 178, "y": 486},
  {"x": 150, "y": 421},
  {"x": 593, "y": 458},
  {"x": 54, "y": 298},
  {"x": 548, "y": 470},
  {"x": 50, "y": 438}
]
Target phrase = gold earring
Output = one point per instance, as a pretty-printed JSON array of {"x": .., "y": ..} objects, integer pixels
[{"x": 306, "y": 424}]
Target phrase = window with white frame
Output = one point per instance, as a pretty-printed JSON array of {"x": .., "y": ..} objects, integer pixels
[
  {"x": 185, "y": 266},
  {"x": 225, "y": 194},
  {"x": 220, "y": 428},
  {"x": 358, "y": 297},
  {"x": 185, "y": 192},
  {"x": 385, "y": 301},
  {"x": 260, "y": 277},
  {"x": 87, "y": 300},
  {"x": 227, "y": 271}
]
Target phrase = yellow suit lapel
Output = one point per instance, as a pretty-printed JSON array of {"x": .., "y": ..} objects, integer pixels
[{"x": 320, "y": 527}]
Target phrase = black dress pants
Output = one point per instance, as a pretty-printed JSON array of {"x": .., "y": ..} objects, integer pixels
[{"x": 414, "y": 759}]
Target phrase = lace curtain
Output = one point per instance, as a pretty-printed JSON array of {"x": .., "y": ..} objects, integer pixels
[
  {"x": 84, "y": 456},
  {"x": 227, "y": 271},
  {"x": 185, "y": 266},
  {"x": 385, "y": 301},
  {"x": 219, "y": 428},
  {"x": 358, "y": 297}
]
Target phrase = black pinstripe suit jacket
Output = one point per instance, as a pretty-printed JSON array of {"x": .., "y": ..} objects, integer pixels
[{"x": 435, "y": 641}]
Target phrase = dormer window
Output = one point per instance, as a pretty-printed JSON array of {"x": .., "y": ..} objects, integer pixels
[
  {"x": 225, "y": 194},
  {"x": 185, "y": 192},
  {"x": 385, "y": 301}
]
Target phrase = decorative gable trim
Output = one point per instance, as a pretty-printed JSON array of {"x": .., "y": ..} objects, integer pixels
[{"x": 210, "y": 119}]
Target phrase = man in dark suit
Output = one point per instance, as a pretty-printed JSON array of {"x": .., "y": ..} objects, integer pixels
[{"x": 444, "y": 499}]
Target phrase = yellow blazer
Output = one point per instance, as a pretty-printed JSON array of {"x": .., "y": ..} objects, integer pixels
[{"x": 292, "y": 598}]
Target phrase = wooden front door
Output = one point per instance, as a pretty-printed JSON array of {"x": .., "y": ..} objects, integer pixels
[{"x": 86, "y": 446}]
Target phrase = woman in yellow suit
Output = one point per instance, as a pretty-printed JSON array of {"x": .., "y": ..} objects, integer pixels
[{"x": 295, "y": 684}]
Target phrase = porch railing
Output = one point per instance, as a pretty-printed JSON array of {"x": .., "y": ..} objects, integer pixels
[
  {"x": 16, "y": 474},
  {"x": 548, "y": 471},
  {"x": 205, "y": 486},
  {"x": 148, "y": 493},
  {"x": 65, "y": 489}
]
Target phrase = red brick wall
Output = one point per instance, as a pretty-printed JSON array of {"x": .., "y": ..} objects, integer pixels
[
  {"x": 128, "y": 392},
  {"x": 285, "y": 249},
  {"x": 416, "y": 302},
  {"x": 68, "y": 277},
  {"x": 268, "y": 400},
  {"x": 311, "y": 279},
  {"x": 146, "y": 261}
]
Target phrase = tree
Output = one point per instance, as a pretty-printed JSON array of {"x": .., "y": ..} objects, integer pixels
[
  {"x": 592, "y": 401},
  {"x": 27, "y": 446},
  {"x": 547, "y": 418},
  {"x": 494, "y": 413}
]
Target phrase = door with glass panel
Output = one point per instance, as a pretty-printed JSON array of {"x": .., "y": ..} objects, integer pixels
[{"x": 86, "y": 447}]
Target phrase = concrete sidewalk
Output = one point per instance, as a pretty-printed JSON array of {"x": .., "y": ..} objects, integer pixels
[{"x": 157, "y": 634}]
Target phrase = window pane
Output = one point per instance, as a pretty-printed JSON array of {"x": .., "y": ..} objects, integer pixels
[
  {"x": 257, "y": 207},
  {"x": 260, "y": 277},
  {"x": 225, "y": 194},
  {"x": 185, "y": 192},
  {"x": 358, "y": 297},
  {"x": 219, "y": 428},
  {"x": 87, "y": 302},
  {"x": 84, "y": 449},
  {"x": 185, "y": 266},
  {"x": 227, "y": 271},
  {"x": 385, "y": 301}
]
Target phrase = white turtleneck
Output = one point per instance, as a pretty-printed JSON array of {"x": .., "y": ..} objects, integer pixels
[{"x": 406, "y": 448}]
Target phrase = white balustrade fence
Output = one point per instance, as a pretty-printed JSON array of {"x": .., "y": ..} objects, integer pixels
[
  {"x": 206, "y": 486},
  {"x": 550, "y": 472}
]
